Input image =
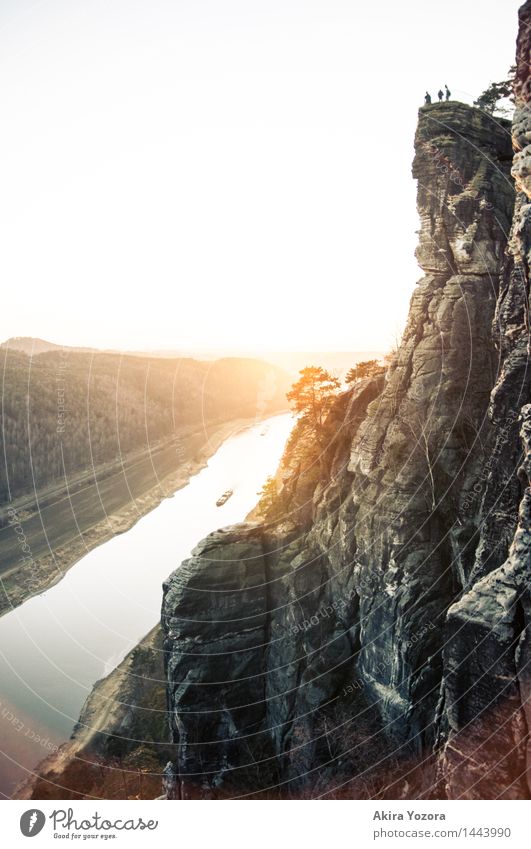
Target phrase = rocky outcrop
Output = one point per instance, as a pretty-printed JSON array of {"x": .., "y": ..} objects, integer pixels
[
  {"x": 424, "y": 444},
  {"x": 257, "y": 635},
  {"x": 370, "y": 639},
  {"x": 487, "y": 672}
]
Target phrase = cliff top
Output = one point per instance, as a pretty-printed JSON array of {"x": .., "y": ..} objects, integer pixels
[{"x": 462, "y": 118}]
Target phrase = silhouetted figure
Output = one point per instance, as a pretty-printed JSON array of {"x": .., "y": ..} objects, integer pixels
[
  {"x": 448, "y": 92},
  {"x": 427, "y": 98},
  {"x": 440, "y": 95}
]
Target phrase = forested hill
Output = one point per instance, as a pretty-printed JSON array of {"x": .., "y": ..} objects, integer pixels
[{"x": 66, "y": 411}]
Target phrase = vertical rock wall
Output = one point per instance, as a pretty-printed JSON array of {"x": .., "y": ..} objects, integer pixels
[
  {"x": 486, "y": 687},
  {"x": 372, "y": 640}
]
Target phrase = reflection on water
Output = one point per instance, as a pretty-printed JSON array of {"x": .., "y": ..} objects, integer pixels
[{"x": 56, "y": 645}]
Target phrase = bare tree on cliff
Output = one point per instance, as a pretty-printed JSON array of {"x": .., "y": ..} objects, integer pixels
[{"x": 312, "y": 396}]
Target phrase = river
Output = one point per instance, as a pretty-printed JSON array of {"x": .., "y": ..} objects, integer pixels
[{"x": 55, "y": 646}]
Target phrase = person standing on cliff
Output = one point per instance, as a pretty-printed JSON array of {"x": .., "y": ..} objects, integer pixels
[
  {"x": 448, "y": 93},
  {"x": 440, "y": 95},
  {"x": 427, "y": 98}
]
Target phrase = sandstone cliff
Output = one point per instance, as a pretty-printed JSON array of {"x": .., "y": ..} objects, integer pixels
[
  {"x": 370, "y": 639},
  {"x": 487, "y": 674}
]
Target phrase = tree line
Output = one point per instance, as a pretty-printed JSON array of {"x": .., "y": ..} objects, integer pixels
[
  {"x": 312, "y": 398},
  {"x": 64, "y": 413}
]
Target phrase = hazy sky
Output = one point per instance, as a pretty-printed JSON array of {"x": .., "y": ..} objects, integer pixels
[{"x": 222, "y": 173}]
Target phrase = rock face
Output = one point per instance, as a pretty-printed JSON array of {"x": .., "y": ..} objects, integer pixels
[
  {"x": 487, "y": 672},
  {"x": 371, "y": 639}
]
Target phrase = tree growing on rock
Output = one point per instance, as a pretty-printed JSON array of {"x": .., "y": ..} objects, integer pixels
[
  {"x": 269, "y": 503},
  {"x": 367, "y": 368},
  {"x": 490, "y": 99},
  {"x": 312, "y": 396}
]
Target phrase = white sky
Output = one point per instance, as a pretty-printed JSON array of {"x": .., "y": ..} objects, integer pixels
[{"x": 222, "y": 173}]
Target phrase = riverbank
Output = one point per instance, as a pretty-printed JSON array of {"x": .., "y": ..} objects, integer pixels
[
  {"x": 60, "y": 646},
  {"x": 123, "y": 721},
  {"x": 44, "y": 540},
  {"x": 120, "y": 744}
]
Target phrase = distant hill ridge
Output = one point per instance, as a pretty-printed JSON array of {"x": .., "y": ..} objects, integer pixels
[
  {"x": 66, "y": 410},
  {"x": 292, "y": 361},
  {"x": 32, "y": 346}
]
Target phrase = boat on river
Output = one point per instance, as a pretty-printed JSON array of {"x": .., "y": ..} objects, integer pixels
[{"x": 224, "y": 498}]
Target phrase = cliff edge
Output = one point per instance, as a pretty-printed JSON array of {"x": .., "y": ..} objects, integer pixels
[{"x": 370, "y": 640}]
